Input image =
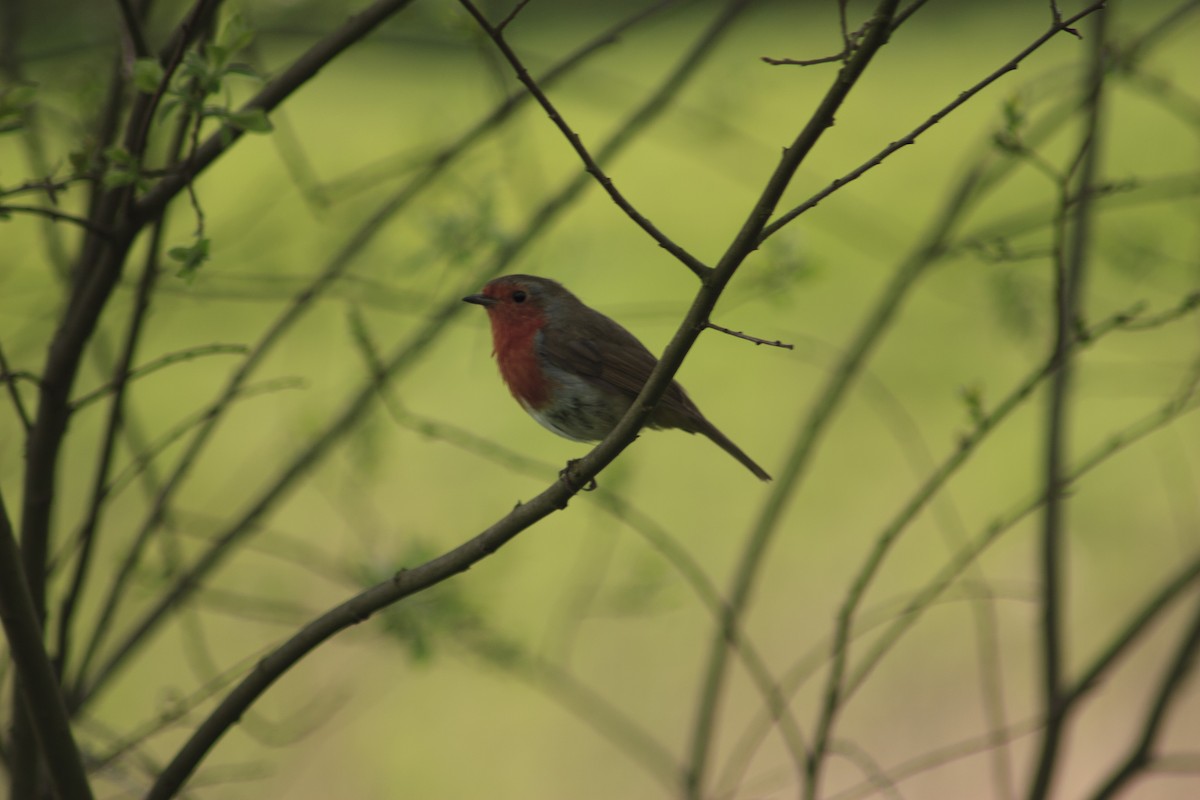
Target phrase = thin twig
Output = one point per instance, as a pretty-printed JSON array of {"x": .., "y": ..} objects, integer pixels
[
  {"x": 123, "y": 373},
  {"x": 911, "y": 137},
  {"x": 803, "y": 62},
  {"x": 303, "y": 69},
  {"x": 511, "y": 15},
  {"x": 748, "y": 337},
  {"x": 1175, "y": 408},
  {"x": 1141, "y": 753},
  {"x": 496, "y": 35},
  {"x": 10, "y": 381},
  {"x": 170, "y": 359},
  {"x": 57, "y": 216}
]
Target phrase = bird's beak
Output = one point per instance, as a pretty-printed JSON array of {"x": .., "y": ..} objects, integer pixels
[{"x": 480, "y": 300}]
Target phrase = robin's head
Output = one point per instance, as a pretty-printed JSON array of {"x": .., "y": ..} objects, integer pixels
[{"x": 520, "y": 299}]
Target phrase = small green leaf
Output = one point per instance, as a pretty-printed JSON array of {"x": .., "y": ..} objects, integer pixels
[
  {"x": 194, "y": 65},
  {"x": 190, "y": 258},
  {"x": 147, "y": 75},
  {"x": 1014, "y": 114},
  {"x": 236, "y": 35},
  {"x": 118, "y": 156}
]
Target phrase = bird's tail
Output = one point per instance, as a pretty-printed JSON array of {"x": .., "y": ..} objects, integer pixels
[{"x": 723, "y": 441}]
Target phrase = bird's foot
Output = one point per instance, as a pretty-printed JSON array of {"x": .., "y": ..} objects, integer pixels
[{"x": 564, "y": 474}]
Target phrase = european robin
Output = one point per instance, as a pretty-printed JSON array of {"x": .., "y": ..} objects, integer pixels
[{"x": 575, "y": 370}]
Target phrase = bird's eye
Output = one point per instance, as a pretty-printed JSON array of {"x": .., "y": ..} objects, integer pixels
[{"x": 518, "y": 296}]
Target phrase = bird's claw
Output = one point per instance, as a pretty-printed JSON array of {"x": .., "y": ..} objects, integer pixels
[{"x": 564, "y": 474}]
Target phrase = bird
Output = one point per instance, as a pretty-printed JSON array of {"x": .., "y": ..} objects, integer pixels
[{"x": 576, "y": 371}]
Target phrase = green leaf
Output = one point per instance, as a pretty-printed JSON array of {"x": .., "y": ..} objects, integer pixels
[
  {"x": 253, "y": 120},
  {"x": 194, "y": 65},
  {"x": 1014, "y": 114},
  {"x": 236, "y": 35},
  {"x": 147, "y": 75},
  {"x": 190, "y": 258}
]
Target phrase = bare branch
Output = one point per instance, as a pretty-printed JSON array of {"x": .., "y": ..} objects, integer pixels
[
  {"x": 162, "y": 362},
  {"x": 899, "y": 144},
  {"x": 1141, "y": 754},
  {"x": 1073, "y": 237},
  {"x": 36, "y": 680},
  {"x": 57, "y": 216},
  {"x": 512, "y": 15},
  {"x": 496, "y": 35},
  {"x": 748, "y": 337},
  {"x": 10, "y": 380}
]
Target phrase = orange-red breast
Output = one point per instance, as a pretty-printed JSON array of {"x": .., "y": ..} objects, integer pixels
[{"x": 575, "y": 370}]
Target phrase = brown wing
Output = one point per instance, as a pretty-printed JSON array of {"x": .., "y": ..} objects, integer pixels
[{"x": 603, "y": 352}]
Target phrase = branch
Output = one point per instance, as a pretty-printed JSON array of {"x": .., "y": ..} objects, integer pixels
[
  {"x": 911, "y": 137},
  {"x": 300, "y": 72},
  {"x": 170, "y": 359},
  {"x": 10, "y": 380},
  {"x": 748, "y": 337},
  {"x": 36, "y": 679},
  {"x": 1070, "y": 266},
  {"x": 1173, "y": 681},
  {"x": 496, "y": 34},
  {"x": 123, "y": 373},
  {"x": 1183, "y": 403},
  {"x": 57, "y": 216},
  {"x": 355, "y": 610}
]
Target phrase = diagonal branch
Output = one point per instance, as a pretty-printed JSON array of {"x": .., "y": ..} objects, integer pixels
[
  {"x": 1140, "y": 755},
  {"x": 910, "y": 138},
  {"x": 496, "y": 34}
]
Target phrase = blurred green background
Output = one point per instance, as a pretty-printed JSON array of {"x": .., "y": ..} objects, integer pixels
[{"x": 459, "y": 692}]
